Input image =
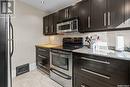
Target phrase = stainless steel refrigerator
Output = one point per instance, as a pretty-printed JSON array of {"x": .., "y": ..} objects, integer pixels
[{"x": 6, "y": 50}]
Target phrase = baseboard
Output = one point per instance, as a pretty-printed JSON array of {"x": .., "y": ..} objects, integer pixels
[
  {"x": 32, "y": 67},
  {"x": 13, "y": 73}
]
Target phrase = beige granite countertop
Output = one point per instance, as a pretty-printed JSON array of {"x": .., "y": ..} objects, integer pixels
[
  {"x": 106, "y": 53},
  {"x": 48, "y": 45}
]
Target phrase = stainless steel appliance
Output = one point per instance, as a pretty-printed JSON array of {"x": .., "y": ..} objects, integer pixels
[
  {"x": 61, "y": 61},
  {"x": 68, "y": 26},
  {"x": 6, "y": 50}
]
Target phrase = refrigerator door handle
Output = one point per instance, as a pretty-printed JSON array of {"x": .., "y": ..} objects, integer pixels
[{"x": 11, "y": 37}]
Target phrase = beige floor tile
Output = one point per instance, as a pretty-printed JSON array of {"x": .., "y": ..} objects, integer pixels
[{"x": 34, "y": 79}]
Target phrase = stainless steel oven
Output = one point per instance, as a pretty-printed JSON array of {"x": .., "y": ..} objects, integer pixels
[
  {"x": 68, "y": 26},
  {"x": 61, "y": 67}
]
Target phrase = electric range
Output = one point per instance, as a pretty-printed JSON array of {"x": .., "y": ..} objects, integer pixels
[{"x": 61, "y": 61}]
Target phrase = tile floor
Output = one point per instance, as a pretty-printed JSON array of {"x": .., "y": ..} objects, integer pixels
[{"x": 34, "y": 79}]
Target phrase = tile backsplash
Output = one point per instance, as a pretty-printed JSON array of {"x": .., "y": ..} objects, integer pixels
[{"x": 106, "y": 37}]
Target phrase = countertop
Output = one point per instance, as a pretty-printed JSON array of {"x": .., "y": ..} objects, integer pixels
[
  {"x": 49, "y": 46},
  {"x": 105, "y": 53}
]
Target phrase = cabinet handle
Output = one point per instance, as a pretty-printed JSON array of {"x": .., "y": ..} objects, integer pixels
[
  {"x": 109, "y": 18},
  {"x": 65, "y": 13},
  {"x": 105, "y": 19},
  {"x": 98, "y": 61},
  {"x": 94, "y": 73},
  {"x": 52, "y": 28},
  {"x": 83, "y": 86},
  {"x": 42, "y": 57},
  {"x": 89, "y": 20}
]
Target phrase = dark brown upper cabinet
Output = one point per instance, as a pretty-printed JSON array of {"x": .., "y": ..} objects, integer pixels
[
  {"x": 64, "y": 14},
  {"x": 115, "y": 13},
  {"x": 94, "y": 15},
  {"x": 107, "y": 14},
  {"x": 49, "y": 25},
  {"x": 98, "y": 14},
  {"x": 127, "y": 13},
  {"x": 84, "y": 15},
  {"x": 55, "y": 20},
  {"x": 46, "y": 25},
  {"x": 74, "y": 11}
]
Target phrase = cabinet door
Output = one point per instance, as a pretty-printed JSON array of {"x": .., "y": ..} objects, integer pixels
[
  {"x": 69, "y": 12},
  {"x": 51, "y": 26},
  {"x": 116, "y": 13},
  {"x": 61, "y": 15},
  {"x": 74, "y": 11},
  {"x": 127, "y": 13},
  {"x": 45, "y": 25},
  {"x": 55, "y": 20},
  {"x": 84, "y": 15},
  {"x": 43, "y": 59},
  {"x": 98, "y": 14}
]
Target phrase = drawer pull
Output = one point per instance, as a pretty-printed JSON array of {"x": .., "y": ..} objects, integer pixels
[
  {"x": 42, "y": 57},
  {"x": 84, "y": 85},
  {"x": 42, "y": 50},
  {"x": 98, "y": 61},
  {"x": 94, "y": 73}
]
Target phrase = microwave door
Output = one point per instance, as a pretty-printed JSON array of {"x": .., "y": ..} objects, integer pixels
[
  {"x": 67, "y": 27},
  {"x": 59, "y": 28}
]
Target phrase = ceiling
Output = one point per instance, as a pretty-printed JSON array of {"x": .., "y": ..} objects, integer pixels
[{"x": 50, "y": 5}]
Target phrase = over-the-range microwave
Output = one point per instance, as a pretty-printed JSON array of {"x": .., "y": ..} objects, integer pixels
[{"x": 68, "y": 26}]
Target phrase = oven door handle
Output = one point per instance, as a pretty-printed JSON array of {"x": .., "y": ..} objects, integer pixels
[{"x": 61, "y": 75}]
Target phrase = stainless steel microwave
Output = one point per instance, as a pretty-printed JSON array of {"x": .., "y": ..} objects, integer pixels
[{"x": 68, "y": 26}]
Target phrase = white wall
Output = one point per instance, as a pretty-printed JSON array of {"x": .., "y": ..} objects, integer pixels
[{"x": 28, "y": 28}]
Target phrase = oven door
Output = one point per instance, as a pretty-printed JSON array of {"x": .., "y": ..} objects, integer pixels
[
  {"x": 64, "y": 27},
  {"x": 61, "y": 62},
  {"x": 61, "y": 78}
]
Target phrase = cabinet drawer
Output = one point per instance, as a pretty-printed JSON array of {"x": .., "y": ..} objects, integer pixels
[
  {"x": 43, "y": 52},
  {"x": 104, "y": 69},
  {"x": 85, "y": 82}
]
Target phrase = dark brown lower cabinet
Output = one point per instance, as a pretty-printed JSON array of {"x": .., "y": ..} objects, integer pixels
[
  {"x": 97, "y": 71},
  {"x": 43, "y": 59},
  {"x": 81, "y": 81}
]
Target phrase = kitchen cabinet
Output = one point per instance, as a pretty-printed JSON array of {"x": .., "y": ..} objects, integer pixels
[
  {"x": 74, "y": 11},
  {"x": 49, "y": 27},
  {"x": 98, "y": 14},
  {"x": 91, "y": 70},
  {"x": 127, "y": 13},
  {"x": 94, "y": 15},
  {"x": 81, "y": 81},
  {"x": 107, "y": 14},
  {"x": 64, "y": 14},
  {"x": 55, "y": 20},
  {"x": 43, "y": 59},
  {"x": 45, "y": 25},
  {"x": 84, "y": 15},
  {"x": 115, "y": 13}
]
